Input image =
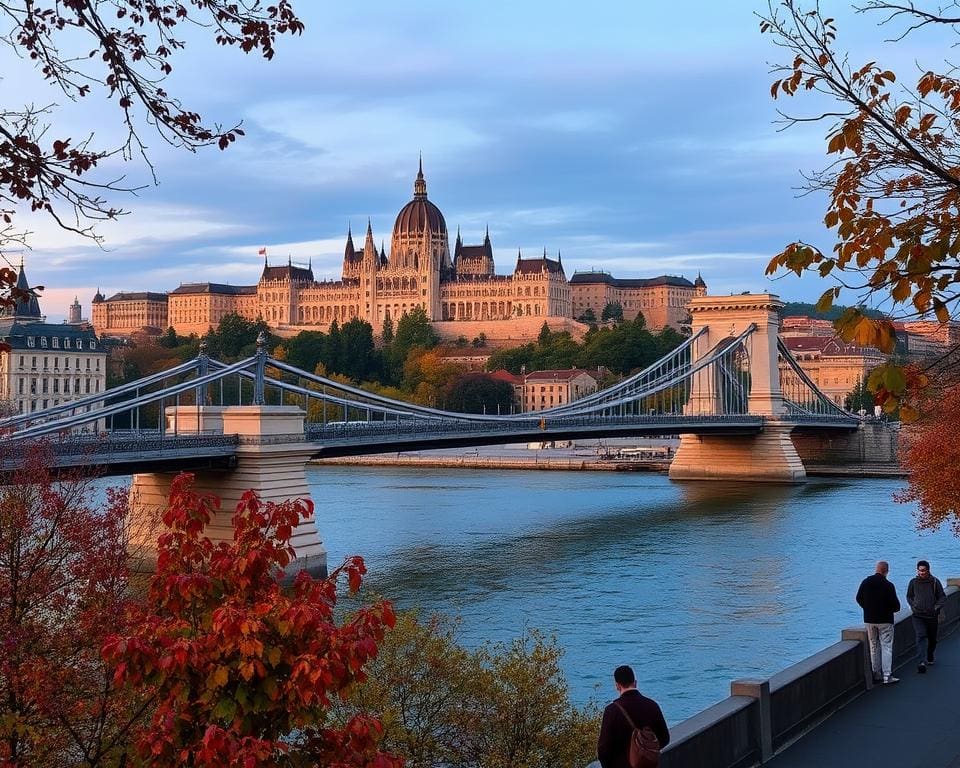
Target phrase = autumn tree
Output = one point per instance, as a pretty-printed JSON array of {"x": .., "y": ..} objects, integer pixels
[
  {"x": 505, "y": 705},
  {"x": 893, "y": 184},
  {"x": 242, "y": 670},
  {"x": 63, "y": 588},
  {"x": 931, "y": 455}
]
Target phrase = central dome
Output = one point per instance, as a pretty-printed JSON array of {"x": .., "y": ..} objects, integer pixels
[{"x": 419, "y": 213}]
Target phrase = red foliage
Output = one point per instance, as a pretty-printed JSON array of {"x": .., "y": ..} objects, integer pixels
[
  {"x": 932, "y": 455},
  {"x": 242, "y": 669},
  {"x": 63, "y": 588}
]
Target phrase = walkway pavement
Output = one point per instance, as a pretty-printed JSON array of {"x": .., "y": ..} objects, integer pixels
[{"x": 913, "y": 724}]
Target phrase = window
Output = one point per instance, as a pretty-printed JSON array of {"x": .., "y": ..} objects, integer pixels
[
  {"x": 79, "y": 343},
  {"x": 66, "y": 343},
  {"x": 55, "y": 342},
  {"x": 31, "y": 342},
  {"x": 43, "y": 342},
  {"x": 93, "y": 345}
]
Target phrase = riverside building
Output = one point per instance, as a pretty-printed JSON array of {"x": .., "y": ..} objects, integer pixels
[
  {"x": 459, "y": 291},
  {"x": 47, "y": 364}
]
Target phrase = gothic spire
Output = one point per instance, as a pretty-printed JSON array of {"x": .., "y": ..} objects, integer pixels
[{"x": 420, "y": 185}]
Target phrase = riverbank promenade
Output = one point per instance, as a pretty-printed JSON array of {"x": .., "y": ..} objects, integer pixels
[
  {"x": 824, "y": 710},
  {"x": 913, "y": 724}
]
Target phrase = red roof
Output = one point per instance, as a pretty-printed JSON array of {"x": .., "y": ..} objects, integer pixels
[{"x": 505, "y": 375}]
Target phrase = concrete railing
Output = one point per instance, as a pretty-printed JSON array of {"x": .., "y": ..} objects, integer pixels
[{"x": 762, "y": 717}]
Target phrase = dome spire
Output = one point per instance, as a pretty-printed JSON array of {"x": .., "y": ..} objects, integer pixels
[{"x": 420, "y": 185}]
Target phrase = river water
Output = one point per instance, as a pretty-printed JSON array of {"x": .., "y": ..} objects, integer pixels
[{"x": 693, "y": 584}]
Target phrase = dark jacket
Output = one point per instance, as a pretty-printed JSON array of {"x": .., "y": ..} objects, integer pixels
[
  {"x": 926, "y": 597},
  {"x": 878, "y": 598},
  {"x": 613, "y": 746}
]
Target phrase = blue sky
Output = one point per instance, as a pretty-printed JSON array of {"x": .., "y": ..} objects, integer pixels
[{"x": 625, "y": 136}]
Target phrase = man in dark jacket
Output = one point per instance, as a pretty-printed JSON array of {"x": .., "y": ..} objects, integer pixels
[
  {"x": 926, "y": 597},
  {"x": 613, "y": 746},
  {"x": 878, "y": 598}
]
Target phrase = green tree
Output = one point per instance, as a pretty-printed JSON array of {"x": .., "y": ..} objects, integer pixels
[
  {"x": 333, "y": 350},
  {"x": 543, "y": 338},
  {"x": 513, "y": 360},
  {"x": 480, "y": 341},
  {"x": 859, "y": 399},
  {"x": 236, "y": 337},
  {"x": 386, "y": 335},
  {"x": 413, "y": 332},
  {"x": 477, "y": 392},
  {"x": 612, "y": 311},
  {"x": 305, "y": 350},
  {"x": 589, "y": 317},
  {"x": 357, "y": 350}
]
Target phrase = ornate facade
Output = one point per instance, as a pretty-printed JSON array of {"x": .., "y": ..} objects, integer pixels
[
  {"x": 420, "y": 272},
  {"x": 47, "y": 364},
  {"x": 662, "y": 300}
]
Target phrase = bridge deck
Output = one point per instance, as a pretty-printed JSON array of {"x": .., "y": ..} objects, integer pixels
[{"x": 913, "y": 724}]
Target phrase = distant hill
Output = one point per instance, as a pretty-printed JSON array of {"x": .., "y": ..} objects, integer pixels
[{"x": 802, "y": 309}]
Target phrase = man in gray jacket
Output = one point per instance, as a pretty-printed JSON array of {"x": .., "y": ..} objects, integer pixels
[{"x": 926, "y": 597}]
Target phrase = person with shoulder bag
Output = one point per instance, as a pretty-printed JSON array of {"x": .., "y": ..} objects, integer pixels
[{"x": 633, "y": 730}]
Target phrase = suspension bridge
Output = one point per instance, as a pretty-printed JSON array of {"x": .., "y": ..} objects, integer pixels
[{"x": 732, "y": 391}]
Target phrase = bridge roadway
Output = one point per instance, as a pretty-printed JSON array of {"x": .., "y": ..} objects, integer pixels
[
  {"x": 913, "y": 724},
  {"x": 124, "y": 452}
]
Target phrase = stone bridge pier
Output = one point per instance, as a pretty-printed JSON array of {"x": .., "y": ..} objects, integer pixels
[
  {"x": 270, "y": 460},
  {"x": 769, "y": 456}
]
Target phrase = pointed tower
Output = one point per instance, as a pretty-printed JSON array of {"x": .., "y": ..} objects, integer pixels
[
  {"x": 370, "y": 255},
  {"x": 27, "y": 307},
  {"x": 351, "y": 267},
  {"x": 74, "y": 312},
  {"x": 701, "y": 285}
]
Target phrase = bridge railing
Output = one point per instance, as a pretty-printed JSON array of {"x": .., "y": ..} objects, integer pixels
[{"x": 801, "y": 395}]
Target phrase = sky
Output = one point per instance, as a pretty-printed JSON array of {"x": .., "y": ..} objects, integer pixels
[{"x": 625, "y": 136}]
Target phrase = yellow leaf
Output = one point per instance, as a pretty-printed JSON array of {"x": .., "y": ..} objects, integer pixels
[
  {"x": 901, "y": 291},
  {"x": 826, "y": 300},
  {"x": 941, "y": 311},
  {"x": 220, "y": 676},
  {"x": 908, "y": 414}
]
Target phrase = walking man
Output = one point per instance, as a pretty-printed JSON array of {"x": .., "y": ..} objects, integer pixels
[
  {"x": 926, "y": 597},
  {"x": 613, "y": 746},
  {"x": 878, "y": 598}
]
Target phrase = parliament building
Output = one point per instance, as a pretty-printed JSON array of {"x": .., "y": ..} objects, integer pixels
[{"x": 460, "y": 292}]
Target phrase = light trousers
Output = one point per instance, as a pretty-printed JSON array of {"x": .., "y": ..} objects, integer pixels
[{"x": 880, "y": 637}]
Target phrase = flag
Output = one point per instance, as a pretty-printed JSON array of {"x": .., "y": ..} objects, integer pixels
[{"x": 262, "y": 252}]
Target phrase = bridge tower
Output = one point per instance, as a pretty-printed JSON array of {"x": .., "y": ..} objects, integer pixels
[
  {"x": 768, "y": 456},
  {"x": 270, "y": 460}
]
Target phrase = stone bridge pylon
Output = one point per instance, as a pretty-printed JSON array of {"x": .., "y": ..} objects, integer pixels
[{"x": 769, "y": 455}]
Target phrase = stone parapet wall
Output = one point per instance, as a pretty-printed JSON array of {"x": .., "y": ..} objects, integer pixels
[
  {"x": 763, "y": 717},
  {"x": 508, "y": 333},
  {"x": 872, "y": 444}
]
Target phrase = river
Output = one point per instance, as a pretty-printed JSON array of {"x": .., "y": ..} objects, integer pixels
[{"x": 693, "y": 584}]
